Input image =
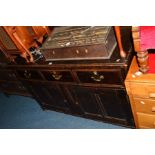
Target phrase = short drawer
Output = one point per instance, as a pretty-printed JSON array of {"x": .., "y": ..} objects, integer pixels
[
  {"x": 146, "y": 120},
  {"x": 29, "y": 74},
  {"x": 80, "y": 52},
  {"x": 145, "y": 105},
  {"x": 100, "y": 76},
  {"x": 7, "y": 75},
  {"x": 143, "y": 90},
  {"x": 64, "y": 76}
]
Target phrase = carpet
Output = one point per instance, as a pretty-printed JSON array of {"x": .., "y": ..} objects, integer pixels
[{"x": 18, "y": 112}]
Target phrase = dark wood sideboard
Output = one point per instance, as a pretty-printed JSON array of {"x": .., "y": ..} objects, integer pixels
[{"x": 87, "y": 88}]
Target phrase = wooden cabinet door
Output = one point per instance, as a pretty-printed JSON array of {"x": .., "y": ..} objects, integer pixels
[
  {"x": 84, "y": 99},
  {"x": 106, "y": 104},
  {"x": 50, "y": 96},
  {"x": 115, "y": 105}
]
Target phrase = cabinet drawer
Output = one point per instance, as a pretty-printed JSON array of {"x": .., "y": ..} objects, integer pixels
[
  {"x": 85, "y": 52},
  {"x": 64, "y": 76},
  {"x": 146, "y": 120},
  {"x": 143, "y": 90},
  {"x": 7, "y": 75},
  {"x": 29, "y": 74},
  {"x": 101, "y": 76},
  {"x": 145, "y": 105}
]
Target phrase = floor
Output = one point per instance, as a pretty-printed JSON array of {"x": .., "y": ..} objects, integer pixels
[{"x": 18, "y": 112}]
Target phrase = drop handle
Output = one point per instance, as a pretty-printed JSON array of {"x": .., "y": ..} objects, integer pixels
[
  {"x": 152, "y": 95},
  {"x": 27, "y": 74},
  {"x": 96, "y": 77},
  {"x": 56, "y": 76}
]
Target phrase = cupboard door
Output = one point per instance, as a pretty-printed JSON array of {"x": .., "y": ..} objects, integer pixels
[
  {"x": 111, "y": 104},
  {"x": 50, "y": 96},
  {"x": 115, "y": 104},
  {"x": 85, "y": 100}
]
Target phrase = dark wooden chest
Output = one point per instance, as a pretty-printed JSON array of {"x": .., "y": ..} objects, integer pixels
[{"x": 83, "y": 42}]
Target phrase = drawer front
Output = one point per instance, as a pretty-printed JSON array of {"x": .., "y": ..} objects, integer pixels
[
  {"x": 100, "y": 77},
  {"x": 7, "y": 75},
  {"x": 145, "y": 105},
  {"x": 143, "y": 90},
  {"x": 85, "y": 52},
  {"x": 64, "y": 76},
  {"x": 29, "y": 74},
  {"x": 146, "y": 120}
]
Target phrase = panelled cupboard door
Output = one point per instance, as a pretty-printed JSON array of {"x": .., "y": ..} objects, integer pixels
[
  {"x": 111, "y": 103},
  {"x": 115, "y": 105},
  {"x": 50, "y": 96},
  {"x": 85, "y": 100},
  {"x": 105, "y": 104}
]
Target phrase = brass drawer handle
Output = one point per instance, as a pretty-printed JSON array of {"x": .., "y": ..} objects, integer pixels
[
  {"x": 27, "y": 74},
  {"x": 97, "y": 77},
  {"x": 152, "y": 95},
  {"x": 56, "y": 76}
]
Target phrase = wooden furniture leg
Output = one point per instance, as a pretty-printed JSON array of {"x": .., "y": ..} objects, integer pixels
[
  {"x": 142, "y": 56},
  {"x": 119, "y": 41}
]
